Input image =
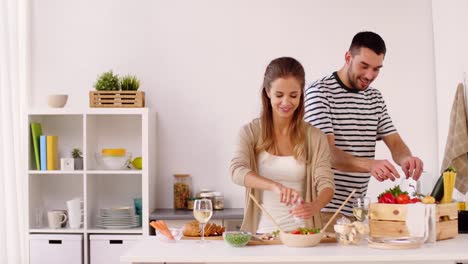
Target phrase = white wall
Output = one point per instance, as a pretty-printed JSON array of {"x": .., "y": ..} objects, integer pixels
[
  {"x": 201, "y": 65},
  {"x": 451, "y": 58}
]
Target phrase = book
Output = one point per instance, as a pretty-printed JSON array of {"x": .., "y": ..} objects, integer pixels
[
  {"x": 36, "y": 132},
  {"x": 52, "y": 152},
  {"x": 43, "y": 151}
]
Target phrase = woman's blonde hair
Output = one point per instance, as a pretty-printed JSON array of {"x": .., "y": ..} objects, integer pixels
[{"x": 283, "y": 67}]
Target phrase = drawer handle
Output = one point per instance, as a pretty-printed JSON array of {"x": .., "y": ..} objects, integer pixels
[
  {"x": 115, "y": 241},
  {"x": 55, "y": 241}
]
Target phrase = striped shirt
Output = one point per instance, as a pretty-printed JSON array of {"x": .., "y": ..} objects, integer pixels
[{"x": 357, "y": 119}]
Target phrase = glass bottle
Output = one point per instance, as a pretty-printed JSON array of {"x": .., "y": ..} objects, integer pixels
[{"x": 182, "y": 190}]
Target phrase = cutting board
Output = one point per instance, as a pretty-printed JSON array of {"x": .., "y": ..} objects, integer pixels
[
  {"x": 206, "y": 238},
  {"x": 256, "y": 240}
]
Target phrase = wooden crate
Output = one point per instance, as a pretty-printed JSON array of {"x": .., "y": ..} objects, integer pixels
[
  {"x": 389, "y": 220},
  {"x": 116, "y": 99}
]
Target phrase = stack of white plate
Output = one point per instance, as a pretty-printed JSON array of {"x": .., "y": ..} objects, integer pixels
[{"x": 117, "y": 218}]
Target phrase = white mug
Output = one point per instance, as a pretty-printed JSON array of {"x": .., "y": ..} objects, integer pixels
[
  {"x": 56, "y": 219},
  {"x": 75, "y": 213}
]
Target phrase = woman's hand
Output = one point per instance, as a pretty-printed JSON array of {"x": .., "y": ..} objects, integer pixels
[
  {"x": 307, "y": 210},
  {"x": 287, "y": 195}
]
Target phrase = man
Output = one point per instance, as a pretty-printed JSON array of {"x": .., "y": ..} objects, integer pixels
[{"x": 354, "y": 116}]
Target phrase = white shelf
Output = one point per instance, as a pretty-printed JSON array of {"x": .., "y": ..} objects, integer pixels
[
  {"x": 114, "y": 172},
  {"x": 55, "y": 172},
  {"x": 58, "y": 230},
  {"x": 97, "y": 230},
  {"x": 138, "y": 172},
  {"x": 92, "y": 130}
]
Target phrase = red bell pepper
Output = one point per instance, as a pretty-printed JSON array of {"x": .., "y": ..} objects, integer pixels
[{"x": 387, "y": 198}]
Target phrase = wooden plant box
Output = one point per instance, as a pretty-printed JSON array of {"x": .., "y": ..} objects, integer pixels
[
  {"x": 116, "y": 99},
  {"x": 389, "y": 220}
]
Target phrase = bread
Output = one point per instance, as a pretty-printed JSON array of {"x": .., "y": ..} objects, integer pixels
[{"x": 192, "y": 229}]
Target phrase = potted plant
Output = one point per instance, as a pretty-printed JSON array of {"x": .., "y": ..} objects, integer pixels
[
  {"x": 129, "y": 83},
  {"x": 115, "y": 92},
  {"x": 77, "y": 158},
  {"x": 107, "y": 82}
]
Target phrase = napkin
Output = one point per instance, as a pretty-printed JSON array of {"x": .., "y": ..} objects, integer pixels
[{"x": 420, "y": 221}]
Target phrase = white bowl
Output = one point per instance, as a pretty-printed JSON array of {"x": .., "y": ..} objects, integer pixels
[
  {"x": 293, "y": 240},
  {"x": 113, "y": 163},
  {"x": 57, "y": 100},
  {"x": 175, "y": 231}
]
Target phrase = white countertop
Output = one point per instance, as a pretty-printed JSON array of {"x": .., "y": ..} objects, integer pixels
[{"x": 154, "y": 250}]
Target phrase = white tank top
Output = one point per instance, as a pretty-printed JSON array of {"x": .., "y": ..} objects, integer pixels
[{"x": 289, "y": 172}]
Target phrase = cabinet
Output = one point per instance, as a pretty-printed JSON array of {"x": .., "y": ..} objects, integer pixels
[
  {"x": 106, "y": 249},
  {"x": 56, "y": 249},
  {"x": 91, "y": 130}
]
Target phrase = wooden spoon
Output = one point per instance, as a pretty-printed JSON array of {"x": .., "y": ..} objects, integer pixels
[
  {"x": 337, "y": 211},
  {"x": 266, "y": 212},
  {"x": 322, "y": 230}
]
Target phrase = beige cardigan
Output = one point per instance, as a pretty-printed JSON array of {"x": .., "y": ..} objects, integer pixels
[{"x": 318, "y": 169}]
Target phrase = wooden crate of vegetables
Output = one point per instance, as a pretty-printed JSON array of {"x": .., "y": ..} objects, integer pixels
[{"x": 387, "y": 218}]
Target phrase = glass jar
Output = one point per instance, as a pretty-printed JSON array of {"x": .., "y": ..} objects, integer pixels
[
  {"x": 198, "y": 196},
  {"x": 182, "y": 189},
  {"x": 190, "y": 203},
  {"x": 218, "y": 201},
  {"x": 208, "y": 195}
]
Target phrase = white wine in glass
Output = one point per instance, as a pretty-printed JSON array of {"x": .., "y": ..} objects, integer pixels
[
  {"x": 203, "y": 210},
  {"x": 361, "y": 208}
]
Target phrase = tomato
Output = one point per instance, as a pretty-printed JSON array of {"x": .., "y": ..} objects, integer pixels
[
  {"x": 403, "y": 199},
  {"x": 415, "y": 200},
  {"x": 296, "y": 232}
]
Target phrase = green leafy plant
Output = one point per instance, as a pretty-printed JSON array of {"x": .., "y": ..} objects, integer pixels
[
  {"x": 129, "y": 83},
  {"x": 76, "y": 153},
  {"x": 107, "y": 82}
]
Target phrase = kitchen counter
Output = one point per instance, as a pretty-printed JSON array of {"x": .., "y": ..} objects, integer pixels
[
  {"x": 173, "y": 214},
  {"x": 152, "y": 249}
]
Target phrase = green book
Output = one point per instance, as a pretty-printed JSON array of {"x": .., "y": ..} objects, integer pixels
[{"x": 36, "y": 132}]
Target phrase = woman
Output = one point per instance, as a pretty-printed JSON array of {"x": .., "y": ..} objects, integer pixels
[{"x": 280, "y": 158}]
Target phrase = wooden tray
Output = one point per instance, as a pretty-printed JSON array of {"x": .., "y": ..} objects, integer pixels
[
  {"x": 257, "y": 241},
  {"x": 206, "y": 238}
]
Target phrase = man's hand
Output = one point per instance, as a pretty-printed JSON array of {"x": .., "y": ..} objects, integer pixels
[
  {"x": 382, "y": 170},
  {"x": 307, "y": 210},
  {"x": 413, "y": 167},
  {"x": 287, "y": 195}
]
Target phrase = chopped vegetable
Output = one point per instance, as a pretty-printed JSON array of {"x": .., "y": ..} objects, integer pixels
[{"x": 306, "y": 231}]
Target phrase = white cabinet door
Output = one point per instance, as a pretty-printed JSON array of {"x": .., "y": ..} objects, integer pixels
[
  {"x": 56, "y": 249},
  {"x": 107, "y": 249}
]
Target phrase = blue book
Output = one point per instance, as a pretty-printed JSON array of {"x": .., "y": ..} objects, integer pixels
[{"x": 43, "y": 148}]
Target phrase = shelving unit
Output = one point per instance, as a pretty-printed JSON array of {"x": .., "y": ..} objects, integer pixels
[{"x": 92, "y": 130}]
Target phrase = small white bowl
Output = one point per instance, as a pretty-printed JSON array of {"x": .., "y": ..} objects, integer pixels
[
  {"x": 57, "y": 100},
  {"x": 113, "y": 163}
]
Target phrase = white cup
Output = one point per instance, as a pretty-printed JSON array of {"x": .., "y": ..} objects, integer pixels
[
  {"x": 75, "y": 213},
  {"x": 56, "y": 219}
]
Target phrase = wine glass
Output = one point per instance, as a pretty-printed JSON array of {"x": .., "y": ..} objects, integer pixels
[
  {"x": 361, "y": 208},
  {"x": 203, "y": 210}
]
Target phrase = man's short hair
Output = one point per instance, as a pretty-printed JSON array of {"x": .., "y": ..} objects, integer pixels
[{"x": 367, "y": 39}]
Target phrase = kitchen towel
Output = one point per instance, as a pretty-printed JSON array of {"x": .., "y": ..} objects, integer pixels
[
  {"x": 420, "y": 221},
  {"x": 456, "y": 148}
]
